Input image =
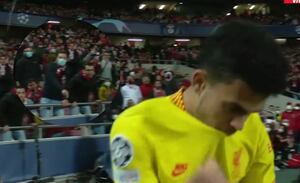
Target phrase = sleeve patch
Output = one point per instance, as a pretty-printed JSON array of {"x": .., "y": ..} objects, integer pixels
[
  {"x": 121, "y": 151},
  {"x": 126, "y": 176}
]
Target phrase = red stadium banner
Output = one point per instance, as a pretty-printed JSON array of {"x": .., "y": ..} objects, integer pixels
[{"x": 291, "y": 1}]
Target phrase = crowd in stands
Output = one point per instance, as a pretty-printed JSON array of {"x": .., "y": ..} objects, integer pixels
[
  {"x": 284, "y": 130},
  {"x": 66, "y": 68},
  {"x": 294, "y": 75},
  {"x": 147, "y": 15}
]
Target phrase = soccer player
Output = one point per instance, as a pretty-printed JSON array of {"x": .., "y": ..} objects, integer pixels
[{"x": 169, "y": 139}]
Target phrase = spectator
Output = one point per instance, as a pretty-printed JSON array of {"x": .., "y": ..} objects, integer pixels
[
  {"x": 34, "y": 92},
  {"x": 6, "y": 78},
  {"x": 73, "y": 64},
  {"x": 131, "y": 93},
  {"x": 105, "y": 91},
  {"x": 154, "y": 72},
  {"x": 146, "y": 88},
  {"x": 106, "y": 67},
  {"x": 83, "y": 88},
  {"x": 14, "y": 113},
  {"x": 158, "y": 91},
  {"x": 55, "y": 87},
  {"x": 170, "y": 83},
  {"x": 28, "y": 67}
]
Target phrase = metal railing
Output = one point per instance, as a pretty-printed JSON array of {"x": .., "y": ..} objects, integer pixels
[
  {"x": 293, "y": 93},
  {"x": 162, "y": 61},
  {"x": 85, "y": 128},
  {"x": 101, "y": 106}
]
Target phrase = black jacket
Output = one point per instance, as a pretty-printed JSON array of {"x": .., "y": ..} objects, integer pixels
[
  {"x": 80, "y": 88},
  {"x": 28, "y": 68},
  {"x": 6, "y": 81},
  {"x": 13, "y": 111},
  {"x": 52, "y": 86}
]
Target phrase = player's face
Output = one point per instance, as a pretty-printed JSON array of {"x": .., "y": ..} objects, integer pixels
[{"x": 226, "y": 106}]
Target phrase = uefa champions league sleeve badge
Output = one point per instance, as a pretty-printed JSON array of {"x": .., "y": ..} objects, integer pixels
[{"x": 121, "y": 151}]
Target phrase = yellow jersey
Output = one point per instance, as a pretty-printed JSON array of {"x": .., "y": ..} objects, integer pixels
[{"x": 158, "y": 142}]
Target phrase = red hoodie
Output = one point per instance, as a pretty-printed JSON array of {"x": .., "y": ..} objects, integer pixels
[
  {"x": 297, "y": 121},
  {"x": 146, "y": 90},
  {"x": 291, "y": 118}
]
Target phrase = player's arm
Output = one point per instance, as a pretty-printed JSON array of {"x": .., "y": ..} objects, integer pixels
[
  {"x": 132, "y": 159},
  {"x": 262, "y": 170}
]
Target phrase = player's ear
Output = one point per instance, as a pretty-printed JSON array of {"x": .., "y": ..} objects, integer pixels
[{"x": 199, "y": 80}]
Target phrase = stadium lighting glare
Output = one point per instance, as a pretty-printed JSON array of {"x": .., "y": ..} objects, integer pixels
[
  {"x": 181, "y": 3},
  {"x": 162, "y": 7},
  {"x": 298, "y": 39},
  {"x": 235, "y": 7},
  {"x": 142, "y": 6},
  {"x": 252, "y": 7},
  {"x": 175, "y": 45},
  {"x": 53, "y": 22},
  {"x": 135, "y": 40},
  {"x": 228, "y": 14},
  {"x": 182, "y": 40},
  {"x": 280, "y": 40}
]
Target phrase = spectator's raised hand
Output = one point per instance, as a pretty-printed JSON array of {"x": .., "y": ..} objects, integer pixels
[{"x": 65, "y": 103}]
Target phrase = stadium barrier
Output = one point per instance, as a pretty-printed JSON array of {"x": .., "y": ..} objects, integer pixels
[{"x": 59, "y": 156}]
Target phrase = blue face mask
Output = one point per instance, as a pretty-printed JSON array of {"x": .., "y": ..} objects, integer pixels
[
  {"x": 61, "y": 61},
  {"x": 28, "y": 54}
]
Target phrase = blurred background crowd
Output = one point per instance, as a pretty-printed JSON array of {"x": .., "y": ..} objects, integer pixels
[{"x": 150, "y": 14}]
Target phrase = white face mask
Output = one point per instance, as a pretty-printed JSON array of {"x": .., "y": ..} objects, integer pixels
[
  {"x": 289, "y": 108},
  {"x": 280, "y": 130},
  {"x": 61, "y": 61},
  {"x": 268, "y": 129},
  {"x": 107, "y": 83}
]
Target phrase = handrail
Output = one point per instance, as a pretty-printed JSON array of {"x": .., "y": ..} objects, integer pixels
[
  {"x": 292, "y": 92},
  {"x": 59, "y": 105},
  {"x": 57, "y": 126}
]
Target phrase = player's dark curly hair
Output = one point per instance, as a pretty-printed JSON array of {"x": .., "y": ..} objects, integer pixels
[{"x": 242, "y": 50}]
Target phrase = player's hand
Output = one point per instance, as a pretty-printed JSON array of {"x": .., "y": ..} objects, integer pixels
[{"x": 210, "y": 172}]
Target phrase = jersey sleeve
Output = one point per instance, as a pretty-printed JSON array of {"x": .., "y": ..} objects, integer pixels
[
  {"x": 262, "y": 169},
  {"x": 131, "y": 155}
]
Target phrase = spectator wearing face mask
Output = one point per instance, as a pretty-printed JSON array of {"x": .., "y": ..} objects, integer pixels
[
  {"x": 28, "y": 67},
  {"x": 83, "y": 88},
  {"x": 131, "y": 92},
  {"x": 55, "y": 87},
  {"x": 14, "y": 113}
]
